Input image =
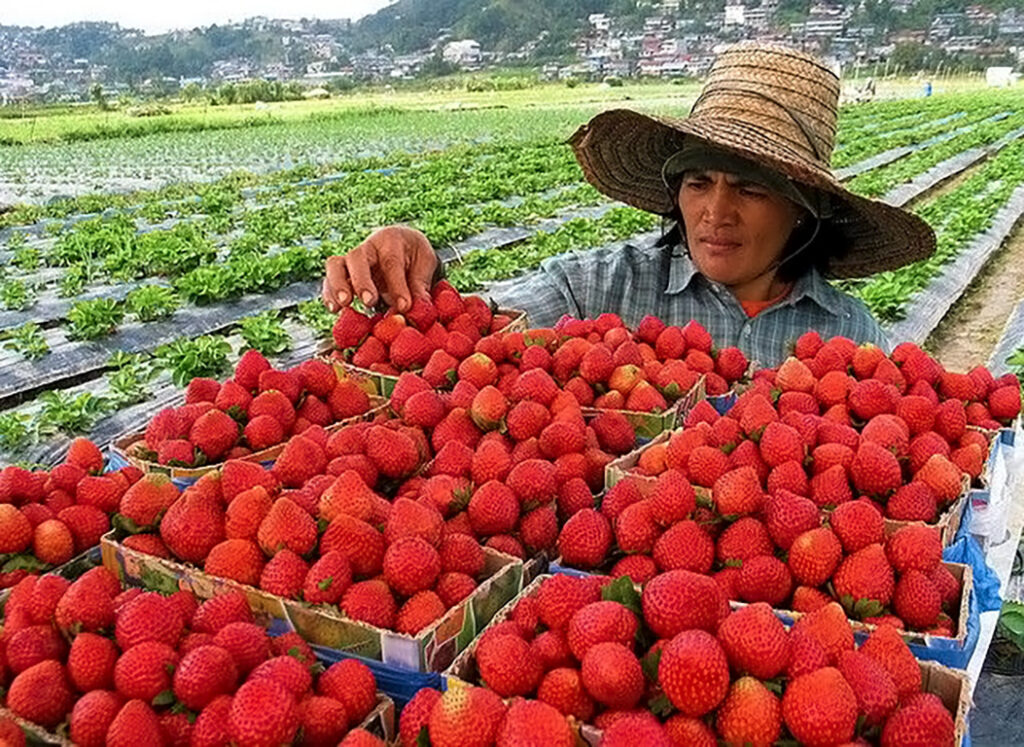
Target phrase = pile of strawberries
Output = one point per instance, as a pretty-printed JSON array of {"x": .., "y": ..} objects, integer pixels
[
  {"x": 257, "y": 408},
  {"x": 675, "y": 666},
  {"x": 48, "y": 517},
  {"x": 387, "y": 520},
  {"x": 434, "y": 334},
  {"x": 609, "y": 366},
  {"x": 129, "y": 667}
]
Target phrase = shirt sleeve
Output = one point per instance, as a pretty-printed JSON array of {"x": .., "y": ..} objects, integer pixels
[{"x": 575, "y": 283}]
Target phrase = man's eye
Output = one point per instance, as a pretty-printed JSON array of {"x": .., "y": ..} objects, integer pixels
[{"x": 752, "y": 192}]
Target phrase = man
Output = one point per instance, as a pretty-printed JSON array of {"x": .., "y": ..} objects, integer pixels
[{"x": 760, "y": 219}]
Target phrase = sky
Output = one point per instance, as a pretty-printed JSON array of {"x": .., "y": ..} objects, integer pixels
[{"x": 159, "y": 17}]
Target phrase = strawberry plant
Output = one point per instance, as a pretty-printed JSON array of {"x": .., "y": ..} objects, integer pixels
[
  {"x": 64, "y": 412},
  {"x": 28, "y": 340},
  {"x": 265, "y": 333},
  {"x": 129, "y": 381},
  {"x": 15, "y": 431},
  {"x": 16, "y": 295},
  {"x": 27, "y": 258},
  {"x": 152, "y": 302},
  {"x": 72, "y": 283},
  {"x": 315, "y": 315},
  {"x": 188, "y": 358},
  {"x": 93, "y": 319}
]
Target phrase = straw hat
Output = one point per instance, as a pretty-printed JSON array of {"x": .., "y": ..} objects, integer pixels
[{"x": 774, "y": 106}]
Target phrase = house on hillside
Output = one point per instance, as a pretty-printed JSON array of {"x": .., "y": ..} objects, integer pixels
[{"x": 464, "y": 53}]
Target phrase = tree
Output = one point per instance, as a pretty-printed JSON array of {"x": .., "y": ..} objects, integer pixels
[
  {"x": 191, "y": 92},
  {"x": 97, "y": 95}
]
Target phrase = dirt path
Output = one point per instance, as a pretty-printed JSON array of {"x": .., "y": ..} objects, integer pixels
[{"x": 970, "y": 331}]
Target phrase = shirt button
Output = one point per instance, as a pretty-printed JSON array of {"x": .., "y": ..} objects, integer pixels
[{"x": 746, "y": 331}]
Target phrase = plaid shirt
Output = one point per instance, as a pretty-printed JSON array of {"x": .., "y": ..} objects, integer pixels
[{"x": 661, "y": 280}]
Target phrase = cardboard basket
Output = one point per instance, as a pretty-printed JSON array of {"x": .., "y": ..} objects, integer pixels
[
  {"x": 432, "y": 649},
  {"x": 618, "y": 469},
  {"x": 949, "y": 520},
  {"x": 123, "y": 451},
  {"x": 649, "y": 425},
  {"x": 384, "y": 384}
]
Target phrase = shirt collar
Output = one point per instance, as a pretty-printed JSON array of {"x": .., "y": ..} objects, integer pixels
[{"x": 810, "y": 285}]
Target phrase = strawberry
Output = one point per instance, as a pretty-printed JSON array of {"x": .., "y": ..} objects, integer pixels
[
  {"x": 508, "y": 665},
  {"x": 421, "y": 610},
  {"x": 247, "y": 643},
  {"x": 820, "y": 707},
  {"x": 788, "y": 515},
  {"x": 176, "y": 453},
  {"x": 585, "y": 539},
  {"x": 84, "y": 454},
  {"x": 612, "y": 676},
  {"x": 143, "y": 671},
  {"x": 1004, "y": 402},
  {"x": 28, "y": 646},
  {"x": 322, "y": 720},
  {"x": 287, "y": 526},
  {"x": 739, "y": 493},
  {"x": 466, "y": 716},
  {"x": 914, "y": 501},
  {"x": 370, "y": 602},
  {"x": 679, "y": 600},
  {"x": 92, "y": 716},
  {"x": 284, "y": 574},
  {"x": 301, "y": 459},
  {"x": 411, "y": 564},
  {"x": 857, "y": 524},
  {"x": 917, "y": 600},
  {"x": 693, "y": 672},
  {"x": 887, "y": 648},
  {"x": 102, "y": 492},
  {"x": 750, "y": 714},
  {"x": 742, "y": 540},
  {"x": 52, "y": 542},
  {"x": 920, "y": 721},
  {"x": 16, "y": 531},
  {"x": 351, "y": 683},
  {"x": 149, "y": 617},
  {"x": 684, "y": 546},
  {"x": 755, "y": 641},
  {"x": 276, "y": 405},
  {"x": 238, "y": 559},
  {"x": 875, "y": 470},
  {"x": 191, "y": 527},
  {"x": 794, "y": 376},
  {"x": 864, "y": 578},
  {"x": 203, "y": 674},
  {"x": 214, "y": 433},
  {"x": 914, "y": 547},
  {"x": 145, "y": 502},
  {"x": 764, "y": 579},
  {"x": 263, "y": 711},
  {"x": 942, "y": 476},
  {"x": 40, "y": 694}
]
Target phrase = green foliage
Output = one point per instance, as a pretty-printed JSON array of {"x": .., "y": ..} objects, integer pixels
[
  {"x": 16, "y": 295},
  {"x": 1011, "y": 623},
  {"x": 27, "y": 258},
  {"x": 15, "y": 431},
  {"x": 129, "y": 380},
  {"x": 265, "y": 333},
  {"x": 28, "y": 340},
  {"x": 151, "y": 302},
  {"x": 189, "y": 357},
  {"x": 314, "y": 314},
  {"x": 61, "y": 411},
  {"x": 93, "y": 319},
  {"x": 74, "y": 279}
]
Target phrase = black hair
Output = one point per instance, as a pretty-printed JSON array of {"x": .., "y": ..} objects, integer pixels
[{"x": 798, "y": 257}]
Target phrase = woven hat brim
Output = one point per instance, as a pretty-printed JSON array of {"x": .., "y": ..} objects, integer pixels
[{"x": 622, "y": 153}]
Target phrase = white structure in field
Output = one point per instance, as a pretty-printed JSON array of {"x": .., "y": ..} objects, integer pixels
[{"x": 1001, "y": 77}]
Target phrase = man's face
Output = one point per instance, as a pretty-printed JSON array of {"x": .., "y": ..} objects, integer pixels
[{"x": 735, "y": 229}]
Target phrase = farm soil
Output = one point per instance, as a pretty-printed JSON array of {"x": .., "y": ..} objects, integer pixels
[{"x": 969, "y": 333}]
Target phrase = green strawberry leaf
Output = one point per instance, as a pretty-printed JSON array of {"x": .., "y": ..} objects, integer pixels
[
  {"x": 847, "y": 601},
  {"x": 423, "y": 738},
  {"x": 163, "y": 699},
  {"x": 325, "y": 584},
  {"x": 775, "y": 685},
  {"x": 660, "y": 705},
  {"x": 733, "y": 563},
  {"x": 127, "y": 525},
  {"x": 621, "y": 590},
  {"x": 155, "y": 581},
  {"x": 24, "y": 563},
  {"x": 867, "y": 608},
  {"x": 650, "y": 663}
]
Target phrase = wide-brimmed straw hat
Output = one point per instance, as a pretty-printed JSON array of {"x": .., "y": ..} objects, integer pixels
[{"x": 776, "y": 107}]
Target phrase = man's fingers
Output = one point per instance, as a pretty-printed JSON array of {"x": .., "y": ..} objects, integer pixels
[
  {"x": 357, "y": 263},
  {"x": 391, "y": 266},
  {"x": 421, "y": 273},
  {"x": 337, "y": 293}
]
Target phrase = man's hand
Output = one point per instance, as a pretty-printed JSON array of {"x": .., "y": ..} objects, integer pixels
[{"x": 395, "y": 263}]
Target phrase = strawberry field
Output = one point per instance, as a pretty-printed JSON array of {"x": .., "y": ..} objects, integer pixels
[{"x": 730, "y": 544}]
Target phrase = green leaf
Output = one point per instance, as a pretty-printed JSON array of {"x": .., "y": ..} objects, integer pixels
[
  {"x": 325, "y": 584},
  {"x": 660, "y": 705},
  {"x": 423, "y": 738},
  {"x": 28, "y": 563},
  {"x": 650, "y": 663},
  {"x": 867, "y": 608},
  {"x": 164, "y": 698},
  {"x": 621, "y": 590}
]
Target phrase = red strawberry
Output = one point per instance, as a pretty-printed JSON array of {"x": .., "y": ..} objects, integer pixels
[
  {"x": 857, "y": 524},
  {"x": 135, "y": 723},
  {"x": 787, "y": 516},
  {"x": 92, "y": 716},
  {"x": 922, "y": 719},
  {"x": 221, "y": 610},
  {"x": 585, "y": 539},
  {"x": 886, "y": 647},
  {"x": 612, "y": 676},
  {"x": 203, "y": 674},
  {"x": 875, "y": 471},
  {"x": 214, "y": 433},
  {"x": 192, "y": 526},
  {"x": 248, "y": 369},
  {"x": 284, "y": 574},
  {"x": 16, "y": 531},
  {"x": 466, "y": 715},
  {"x": 755, "y": 641},
  {"x": 146, "y": 501},
  {"x": 287, "y": 526},
  {"x": 693, "y": 672},
  {"x": 149, "y": 617},
  {"x": 144, "y": 671},
  {"x": 864, "y": 578},
  {"x": 738, "y": 492},
  {"x": 247, "y": 643},
  {"x": 751, "y": 714},
  {"x": 263, "y": 711},
  {"x": 371, "y": 602},
  {"x": 685, "y": 545},
  {"x": 85, "y": 454},
  {"x": 680, "y": 600},
  {"x": 508, "y": 665},
  {"x": 820, "y": 708},
  {"x": 916, "y": 600},
  {"x": 238, "y": 559},
  {"x": 301, "y": 459},
  {"x": 914, "y": 547}
]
